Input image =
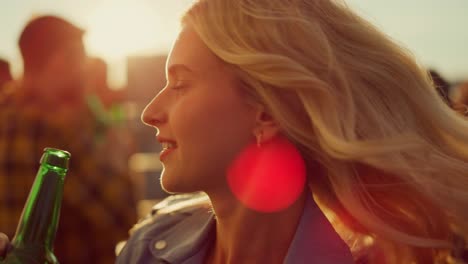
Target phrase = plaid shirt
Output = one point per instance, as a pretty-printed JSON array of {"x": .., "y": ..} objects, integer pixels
[{"x": 98, "y": 206}]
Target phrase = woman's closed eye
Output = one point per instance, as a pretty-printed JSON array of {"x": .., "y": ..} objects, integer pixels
[{"x": 179, "y": 85}]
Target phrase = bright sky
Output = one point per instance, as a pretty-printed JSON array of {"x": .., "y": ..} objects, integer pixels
[{"x": 433, "y": 29}]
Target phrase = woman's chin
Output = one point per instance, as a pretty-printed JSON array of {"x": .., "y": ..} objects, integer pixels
[
  {"x": 176, "y": 186},
  {"x": 167, "y": 185}
]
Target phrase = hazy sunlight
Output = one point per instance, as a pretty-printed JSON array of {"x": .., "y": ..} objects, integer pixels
[{"x": 117, "y": 29}]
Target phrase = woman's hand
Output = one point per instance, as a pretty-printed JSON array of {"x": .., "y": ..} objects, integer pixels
[{"x": 4, "y": 245}]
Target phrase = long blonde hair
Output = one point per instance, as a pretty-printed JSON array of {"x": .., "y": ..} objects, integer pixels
[{"x": 393, "y": 156}]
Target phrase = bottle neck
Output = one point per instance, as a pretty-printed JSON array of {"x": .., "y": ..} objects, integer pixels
[{"x": 39, "y": 220}]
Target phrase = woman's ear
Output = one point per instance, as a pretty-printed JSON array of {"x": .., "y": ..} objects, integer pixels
[{"x": 265, "y": 126}]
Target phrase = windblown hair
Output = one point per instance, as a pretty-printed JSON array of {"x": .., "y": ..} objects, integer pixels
[{"x": 385, "y": 154}]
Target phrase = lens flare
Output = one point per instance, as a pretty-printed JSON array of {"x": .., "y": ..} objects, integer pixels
[{"x": 268, "y": 178}]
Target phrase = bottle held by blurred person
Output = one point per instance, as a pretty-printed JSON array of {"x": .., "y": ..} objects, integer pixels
[{"x": 34, "y": 238}]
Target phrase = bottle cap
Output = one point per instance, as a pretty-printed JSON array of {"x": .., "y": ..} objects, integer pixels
[{"x": 56, "y": 157}]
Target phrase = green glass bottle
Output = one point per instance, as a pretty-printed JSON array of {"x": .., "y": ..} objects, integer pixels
[{"x": 34, "y": 238}]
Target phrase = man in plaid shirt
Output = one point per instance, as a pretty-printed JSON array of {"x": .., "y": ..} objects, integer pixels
[{"x": 47, "y": 109}]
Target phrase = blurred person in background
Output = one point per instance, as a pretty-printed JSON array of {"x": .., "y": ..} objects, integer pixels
[
  {"x": 48, "y": 109},
  {"x": 460, "y": 98},
  {"x": 114, "y": 139},
  {"x": 442, "y": 86},
  {"x": 97, "y": 84},
  {"x": 5, "y": 74}
]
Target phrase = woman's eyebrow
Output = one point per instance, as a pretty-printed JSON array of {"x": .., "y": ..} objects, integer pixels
[{"x": 175, "y": 68}]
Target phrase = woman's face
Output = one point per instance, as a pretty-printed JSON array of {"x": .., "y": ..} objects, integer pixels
[{"x": 202, "y": 114}]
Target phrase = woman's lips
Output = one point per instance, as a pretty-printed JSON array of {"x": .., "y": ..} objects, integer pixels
[{"x": 164, "y": 153}]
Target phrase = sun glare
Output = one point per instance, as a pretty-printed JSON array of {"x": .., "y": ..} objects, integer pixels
[{"x": 117, "y": 29}]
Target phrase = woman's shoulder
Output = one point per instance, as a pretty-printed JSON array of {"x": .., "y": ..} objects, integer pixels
[
  {"x": 173, "y": 209},
  {"x": 180, "y": 203},
  {"x": 170, "y": 224}
]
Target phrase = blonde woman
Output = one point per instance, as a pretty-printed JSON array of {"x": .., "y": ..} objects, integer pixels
[
  {"x": 385, "y": 160},
  {"x": 382, "y": 151}
]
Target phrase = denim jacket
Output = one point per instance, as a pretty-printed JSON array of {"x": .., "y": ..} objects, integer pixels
[{"x": 181, "y": 228}]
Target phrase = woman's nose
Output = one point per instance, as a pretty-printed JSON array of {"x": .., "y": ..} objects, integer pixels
[{"x": 154, "y": 114}]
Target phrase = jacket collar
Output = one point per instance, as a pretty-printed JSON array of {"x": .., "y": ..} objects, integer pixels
[
  {"x": 315, "y": 240},
  {"x": 185, "y": 240}
]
